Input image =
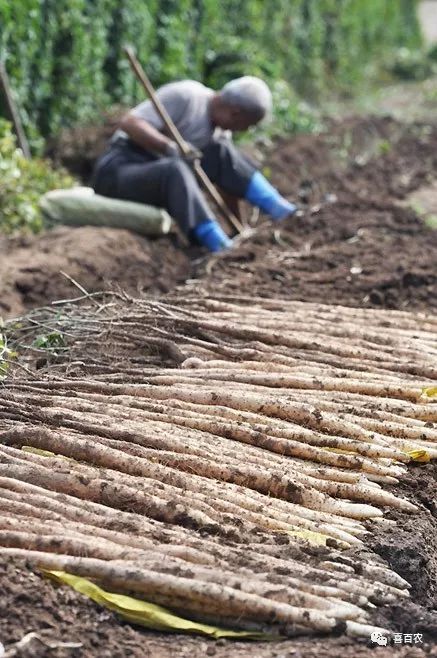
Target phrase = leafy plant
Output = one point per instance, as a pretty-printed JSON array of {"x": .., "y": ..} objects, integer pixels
[
  {"x": 22, "y": 182},
  {"x": 51, "y": 341}
]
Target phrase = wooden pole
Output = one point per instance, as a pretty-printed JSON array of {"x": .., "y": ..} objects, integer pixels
[
  {"x": 174, "y": 132},
  {"x": 13, "y": 112}
]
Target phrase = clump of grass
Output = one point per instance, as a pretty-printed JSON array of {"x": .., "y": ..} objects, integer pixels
[{"x": 22, "y": 183}]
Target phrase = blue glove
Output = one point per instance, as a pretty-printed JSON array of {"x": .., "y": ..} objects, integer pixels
[
  {"x": 211, "y": 235},
  {"x": 262, "y": 194}
]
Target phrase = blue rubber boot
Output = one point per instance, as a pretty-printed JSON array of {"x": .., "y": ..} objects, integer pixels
[
  {"x": 262, "y": 194},
  {"x": 211, "y": 235}
]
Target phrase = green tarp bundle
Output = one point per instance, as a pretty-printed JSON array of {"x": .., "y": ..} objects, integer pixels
[{"x": 80, "y": 206}]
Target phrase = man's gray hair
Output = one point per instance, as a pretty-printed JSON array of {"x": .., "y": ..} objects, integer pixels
[{"x": 250, "y": 94}]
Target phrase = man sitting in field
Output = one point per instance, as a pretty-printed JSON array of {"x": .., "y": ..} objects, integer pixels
[{"x": 144, "y": 165}]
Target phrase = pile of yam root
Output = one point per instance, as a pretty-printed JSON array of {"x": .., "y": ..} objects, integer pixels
[{"x": 225, "y": 458}]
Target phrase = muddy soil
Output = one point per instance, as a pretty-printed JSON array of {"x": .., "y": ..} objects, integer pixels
[
  {"x": 77, "y": 148},
  {"x": 31, "y": 268},
  {"x": 411, "y": 550},
  {"x": 354, "y": 244}
]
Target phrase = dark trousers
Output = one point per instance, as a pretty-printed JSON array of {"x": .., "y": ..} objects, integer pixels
[{"x": 128, "y": 172}]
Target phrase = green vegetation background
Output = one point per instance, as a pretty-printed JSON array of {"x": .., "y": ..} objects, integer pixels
[{"x": 65, "y": 57}]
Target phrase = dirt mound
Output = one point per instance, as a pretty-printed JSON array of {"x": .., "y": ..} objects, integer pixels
[
  {"x": 78, "y": 148},
  {"x": 30, "y": 268},
  {"x": 348, "y": 254}
]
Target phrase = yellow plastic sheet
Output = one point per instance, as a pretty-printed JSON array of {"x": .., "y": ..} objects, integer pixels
[
  {"x": 148, "y": 614},
  {"x": 430, "y": 392},
  {"x": 419, "y": 456}
]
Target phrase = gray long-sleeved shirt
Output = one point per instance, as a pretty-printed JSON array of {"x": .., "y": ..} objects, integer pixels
[{"x": 187, "y": 103}]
